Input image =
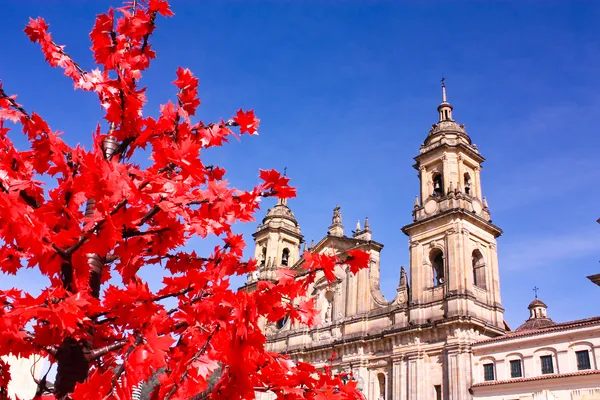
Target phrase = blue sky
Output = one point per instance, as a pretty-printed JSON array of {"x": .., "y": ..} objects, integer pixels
[{"x": 347, "y": 91}]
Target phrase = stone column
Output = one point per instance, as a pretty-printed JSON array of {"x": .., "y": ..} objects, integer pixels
[
  {"x": 458, "y": 372},
  {"x": 445, "y": 173},
  {"x": 424, "y": 178},
  {"x": 399, "y": 377},
  {"x": 477, "y": 182},
  {"x": 417, "y": 378}
]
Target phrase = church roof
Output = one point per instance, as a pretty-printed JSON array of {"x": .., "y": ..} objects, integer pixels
[{"x": 534, "y": 332}]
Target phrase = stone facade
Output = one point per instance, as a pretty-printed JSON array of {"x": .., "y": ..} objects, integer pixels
[{"x": 429, "y": 342}]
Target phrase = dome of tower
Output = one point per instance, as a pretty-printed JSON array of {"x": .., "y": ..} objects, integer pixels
[
  {"x": 537, "y": 303},
  {"x": 280, "y": 216}
]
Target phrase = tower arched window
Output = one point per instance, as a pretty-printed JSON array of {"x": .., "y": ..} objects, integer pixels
[
  {"x": 438, "y": 185},
  {"x": 478, "y": 263},
  {"x": 281, "y": 323},
  {"x": 467, "y": 178},
  {"x": 263, "y": 256},
  {"x": 285, "y": 257},
  {"x": 436, "y": 258}
]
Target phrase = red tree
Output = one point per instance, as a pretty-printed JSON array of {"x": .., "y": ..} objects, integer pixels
[{"x": 106, "y": 216}]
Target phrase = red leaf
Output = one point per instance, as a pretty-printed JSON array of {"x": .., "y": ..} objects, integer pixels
[
  {"x": 357, "y": 259},
  {"x": 247, "y": 121}
]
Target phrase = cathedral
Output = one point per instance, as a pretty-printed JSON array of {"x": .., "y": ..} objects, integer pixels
[{"x": 443, "y": 336}]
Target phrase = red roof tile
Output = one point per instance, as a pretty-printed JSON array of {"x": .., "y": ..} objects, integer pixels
[
  {"x": 539, "y": 378},
  {"x": 558, "y": 327}
]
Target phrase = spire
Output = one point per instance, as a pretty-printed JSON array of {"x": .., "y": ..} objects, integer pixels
[
  {"x": 444, "y": 90},
  {"x": 445, "y": 109},
  {"x": 416, "y": 201},
  {"x": 304, "y": 250},
  {"x": 336, "y": 228},
  {"x": 358, "y": 226},
  {"x": 485, "y": 203},
  {"x": 367, "y": 227}
]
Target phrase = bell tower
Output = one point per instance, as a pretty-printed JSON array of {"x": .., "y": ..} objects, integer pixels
[
  {"x": 453, "y": 253},
  {"x": 278, "y": 239}
]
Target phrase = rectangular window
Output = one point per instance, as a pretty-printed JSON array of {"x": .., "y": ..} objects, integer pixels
[
  {"x": 488, "y": 372},
  {"x": 438, "y": 392},
  {"x": 515, "y": 369},
  {"x": 547, "y": 366},
  {"x": 583, "y": 359}
]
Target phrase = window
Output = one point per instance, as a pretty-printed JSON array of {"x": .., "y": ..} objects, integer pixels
[
  {"x": 515, "y": 369},
  {"x": 285, "y": 257},
  {"x": 488, "y": 372},
  {"x": 547, "y": 365},
  {"x": 263, "y": 256},
  {"x": 583, "y": 359},
  {"x": 438, "y": 185},
  {"x": 467, "y": 178},
  {"x": 281, "y": 323},
  {"x": 436, "y": 257},
  {"x": 381, "y": 379},
  {"x": 438, "y": 392},
  {"x": 478, "y": 269}
]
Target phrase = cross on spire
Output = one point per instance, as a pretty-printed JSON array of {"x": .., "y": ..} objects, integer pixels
[
  {"x": 285, "y": 171},
  {"x": 535, "y": 290},
  {"x": 443, "y": 89}
]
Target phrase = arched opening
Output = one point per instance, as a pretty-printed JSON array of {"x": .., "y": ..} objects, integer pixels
[
  {"x": 281, "y": 323},
  {"x": 381, "y": 381},
  {"x": 438, "y": 185},
  {"x": 478, "y": 263},
  {"x": 436, "y": 258},
  {"x": 285, "y": 257},
  {"x": 467, "y": 179},
  {"x": 263, "y": 256}
]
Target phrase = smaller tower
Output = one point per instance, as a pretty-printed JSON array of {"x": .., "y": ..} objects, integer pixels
[{"x": 278, "y": 241}]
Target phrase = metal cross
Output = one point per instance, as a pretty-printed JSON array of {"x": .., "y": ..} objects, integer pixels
[
  {"x": 443, "y": 79},
  {"x": 285, "y": 171},
  {"x": 535, "y": 290}
]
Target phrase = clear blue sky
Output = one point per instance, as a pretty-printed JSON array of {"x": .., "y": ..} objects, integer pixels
[{"x": 347, "y": 91}]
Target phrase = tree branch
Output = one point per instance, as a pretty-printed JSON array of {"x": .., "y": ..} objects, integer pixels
[
  {"x": 99, "y": 352},
  {"x": 198, "y": 354}
]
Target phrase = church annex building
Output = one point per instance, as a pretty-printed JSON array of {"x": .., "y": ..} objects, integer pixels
[{"x": 443, "y": 336}]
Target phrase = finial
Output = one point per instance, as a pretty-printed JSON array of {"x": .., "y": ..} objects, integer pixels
[
  {"x": 304, "y": 249},
  {"x": 443, "y": 89},
  {"x": 312, "y": 244},
  {"x": 485, "y": 203},
  {"x": 285, "y": 171},
  {"x": 403, "y": 280},
  {"x": 358, "y": 226},
  {"x": 367, "y": 227},
  {"x": 535, "y": 290},
  {"x": 416, "y": 201}
]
